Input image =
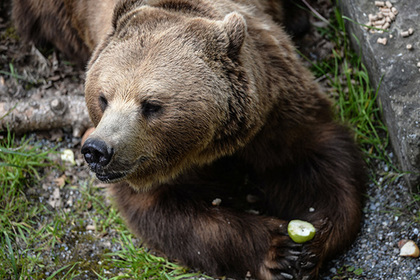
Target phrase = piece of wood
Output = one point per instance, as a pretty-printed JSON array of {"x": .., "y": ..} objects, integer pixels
[{"x": 27, "y": 115}]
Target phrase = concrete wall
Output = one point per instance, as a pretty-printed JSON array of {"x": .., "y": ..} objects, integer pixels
[{"x": 394, "y": 69}]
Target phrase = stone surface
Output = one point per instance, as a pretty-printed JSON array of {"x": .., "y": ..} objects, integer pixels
[{"x": 393, "y": 68}]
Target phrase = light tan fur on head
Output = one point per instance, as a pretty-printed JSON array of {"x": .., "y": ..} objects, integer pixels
[{"x": 133, "y": 70}]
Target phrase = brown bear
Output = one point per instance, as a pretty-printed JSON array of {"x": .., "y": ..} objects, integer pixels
[{"x": 211, "y": 132}]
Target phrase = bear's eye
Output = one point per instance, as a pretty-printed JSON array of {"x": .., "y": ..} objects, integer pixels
[
  {"x": 103, "y": 103},
  {"x": 149, "y": 108}
]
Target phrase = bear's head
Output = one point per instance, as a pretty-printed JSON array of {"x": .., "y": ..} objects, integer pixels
[{"x": 166, "y": 92}]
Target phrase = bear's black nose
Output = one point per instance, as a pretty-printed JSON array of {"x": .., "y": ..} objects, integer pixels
[{"x": 97, "y": 153}]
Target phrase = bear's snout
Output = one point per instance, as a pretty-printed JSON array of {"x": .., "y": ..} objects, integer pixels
[{"x": 97, "y": 153}]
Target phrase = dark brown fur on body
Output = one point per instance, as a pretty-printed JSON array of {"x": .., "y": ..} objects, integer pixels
[
  {"x": 75, "y": 28},
  {"x": 48, "y": 22},
  {"x": 195, "y": 100}
]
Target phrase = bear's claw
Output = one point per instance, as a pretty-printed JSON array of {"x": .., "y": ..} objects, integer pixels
[{"x": 286, "y": 275}]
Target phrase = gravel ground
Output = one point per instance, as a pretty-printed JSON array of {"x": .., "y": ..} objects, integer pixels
[
  {"x": 389, "y": 210},
  {"x": 389, "y": 213}
]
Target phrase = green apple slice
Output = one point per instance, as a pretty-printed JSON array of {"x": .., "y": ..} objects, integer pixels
[{"x": 300, "y": 231}]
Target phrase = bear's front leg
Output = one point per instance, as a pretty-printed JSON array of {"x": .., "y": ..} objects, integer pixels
[{"x": 217, "y": 240}]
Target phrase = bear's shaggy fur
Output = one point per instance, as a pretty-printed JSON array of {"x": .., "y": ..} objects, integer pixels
[{"x": 202, "y": 110}]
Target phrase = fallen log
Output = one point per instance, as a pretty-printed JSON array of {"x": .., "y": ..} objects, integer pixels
[{"x": 29, "y": 115}]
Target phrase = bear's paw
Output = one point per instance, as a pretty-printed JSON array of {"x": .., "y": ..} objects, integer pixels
[{"x": 287, "y": 259}]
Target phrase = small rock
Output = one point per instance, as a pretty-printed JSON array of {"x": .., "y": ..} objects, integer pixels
[
  {"x": 90, "y": 227},
  {"x": 409, "y": 249},
  {"x": 382, "y": 41},
  {"x": 68, "y": 156}
]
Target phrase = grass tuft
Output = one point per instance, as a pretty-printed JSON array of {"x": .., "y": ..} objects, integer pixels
[
  {"x": 19, "y": 169},
  {"x": 356, "y": 101}
]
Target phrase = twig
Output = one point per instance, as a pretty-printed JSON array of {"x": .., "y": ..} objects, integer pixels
[{"x": 315, "y": 12}]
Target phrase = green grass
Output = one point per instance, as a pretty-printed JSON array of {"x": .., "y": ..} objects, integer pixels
[
  {"x": 28, "y": 83},
  {"x": 34, "y": 236},
  {"x": 356, "y": 100},
  {"x": 416, "y": 205},
  {"x": 348, "y": 272},
  {"x": 19, "y": 167},
  {"x": 138, "y": 263},
  {"x": 12, "y": 73}
]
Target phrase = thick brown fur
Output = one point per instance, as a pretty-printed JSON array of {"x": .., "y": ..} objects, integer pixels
[
  {"x": 197, "y": 100},
  {"x": 75, "y": 28}
]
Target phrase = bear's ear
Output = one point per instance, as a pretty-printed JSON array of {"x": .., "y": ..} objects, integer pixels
[
  {"x": 122, "y": 8},
  {"x": 234, "y": 25}
]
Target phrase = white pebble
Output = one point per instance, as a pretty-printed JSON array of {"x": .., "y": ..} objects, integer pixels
[
  {"x": 394, "y": 11},
  {"x": 405, "y": 34},
  {"x": 382, "y": 41}
]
